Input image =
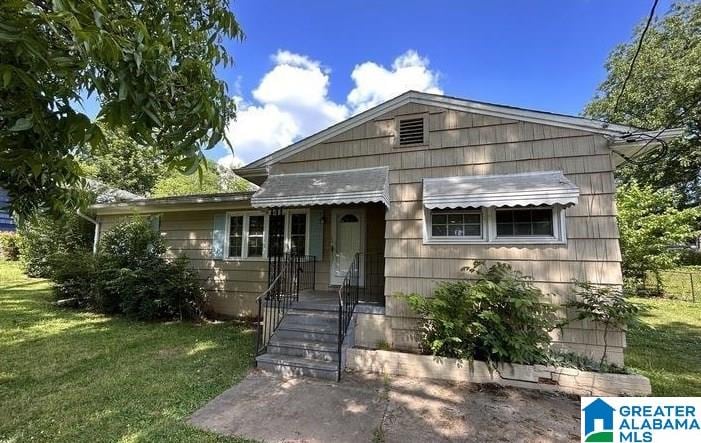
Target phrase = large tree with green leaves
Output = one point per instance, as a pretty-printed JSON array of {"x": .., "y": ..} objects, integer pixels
[
  {"x": 124, "y": 164},
  {"x": 211, "y": 179},
  {"x": 653, "y": 230},
  {"x": 150, "y": 64},
  {"x": 664, "y": 90}
]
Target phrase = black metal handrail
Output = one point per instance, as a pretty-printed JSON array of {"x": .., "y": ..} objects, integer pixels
[
  {"x": 347, "y": 300},
  {"x": 293, "y": 274}
]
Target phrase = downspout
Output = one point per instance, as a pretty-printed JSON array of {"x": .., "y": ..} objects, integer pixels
[{"x": 97, "y": 230}]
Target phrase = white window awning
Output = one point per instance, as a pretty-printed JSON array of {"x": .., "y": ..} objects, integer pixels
[
  {"x": 533, "y": 188},
  {"x": 368, "y": 185}
]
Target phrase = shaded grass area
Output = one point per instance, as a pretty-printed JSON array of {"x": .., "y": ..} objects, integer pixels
[
  {"x": 665, "y": 346},
  {"x": 67, "y": 375}
]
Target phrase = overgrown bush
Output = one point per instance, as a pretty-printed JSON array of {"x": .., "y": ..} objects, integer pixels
[
  {"x": 74, "y": 276},
  {"x": 9, "y": 249},
  {"x": 41, "y": 237},
  {"x": 606, "y": 305},
  {"x": 133, "y": 278},
  {"x": 497, "y": 317}
]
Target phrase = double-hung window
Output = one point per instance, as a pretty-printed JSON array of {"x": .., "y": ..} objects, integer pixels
[
  {"x": 247, "y": 235},
  {"x": 297, "y": 233},
  {"x": 254, "y": 234}
]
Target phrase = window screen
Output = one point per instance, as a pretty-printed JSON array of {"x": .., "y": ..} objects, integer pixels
[
  {"x": 456, "y": 223},
  {"x": 524, "y": 222}
]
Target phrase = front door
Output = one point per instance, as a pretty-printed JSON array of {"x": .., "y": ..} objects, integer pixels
[{"x": 348, "y": 239}]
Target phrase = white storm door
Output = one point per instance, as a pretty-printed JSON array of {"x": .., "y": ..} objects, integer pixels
[{"x": 348, "y": 239}]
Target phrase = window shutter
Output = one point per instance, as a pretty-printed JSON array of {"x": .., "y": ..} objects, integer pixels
[
  {"x": 218, "y": 236},
  {"x": 316, "y": 232}
]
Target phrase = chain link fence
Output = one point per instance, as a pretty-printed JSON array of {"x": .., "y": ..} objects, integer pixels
[{"x": 679, "y": 284}]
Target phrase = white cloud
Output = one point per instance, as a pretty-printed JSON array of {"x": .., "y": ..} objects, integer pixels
[
  {"x": 292, "y": 101},
  {"x": 375, "y": 84},
  {"x": 230, "y": 161}
]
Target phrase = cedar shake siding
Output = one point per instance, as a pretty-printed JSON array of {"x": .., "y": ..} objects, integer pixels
[{"x": 460, "y": 144}]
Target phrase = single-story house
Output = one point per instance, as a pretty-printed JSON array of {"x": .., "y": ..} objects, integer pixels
[{"x": 392, "y": 201}]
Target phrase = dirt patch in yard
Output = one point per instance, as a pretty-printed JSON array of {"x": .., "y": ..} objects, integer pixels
[
  {"x": 399, "y": 409},
  {"x": 422, "y": 410}
]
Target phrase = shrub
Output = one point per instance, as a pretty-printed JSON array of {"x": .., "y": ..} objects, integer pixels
[
  {"x": 155, "y": 290},
  {"x": 604, "y": 304},
  {"x": 9, "y": 249},
  {"x": 74, "y": 276},
  {"x": 497, "y": 317},
  {"x": 134, "y": 279},
  {"x": 41, "y": 237}
]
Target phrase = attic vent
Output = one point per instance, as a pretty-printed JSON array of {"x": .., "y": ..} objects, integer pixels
[{"x": 411, "y": 131}]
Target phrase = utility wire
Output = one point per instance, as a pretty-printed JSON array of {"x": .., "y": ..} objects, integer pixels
[{"x": 635, "y": 56}]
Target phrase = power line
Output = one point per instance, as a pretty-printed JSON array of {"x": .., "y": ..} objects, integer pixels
[{"x": 635, "y": 56}]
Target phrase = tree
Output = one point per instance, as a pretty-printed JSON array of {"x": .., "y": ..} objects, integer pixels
[
  {"x": 211, "y": 180},
  {"x": 150, "y": 64},
  {"x": 652, "y": 229},
  {"x": 124, "y": 164},
  {"x": 664, "y": 90}
]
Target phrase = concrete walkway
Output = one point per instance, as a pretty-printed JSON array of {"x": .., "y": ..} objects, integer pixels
[{"x": 364, "y": 408}]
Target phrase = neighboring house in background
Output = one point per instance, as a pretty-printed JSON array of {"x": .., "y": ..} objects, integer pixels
[
  {"x": 6, "y": 221},
  {"x": 420, "y": 186}
]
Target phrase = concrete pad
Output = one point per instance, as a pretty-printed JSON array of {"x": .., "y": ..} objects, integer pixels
[
  {"x": 363, "y": 408},
  {"x": 268, "y": 408}
]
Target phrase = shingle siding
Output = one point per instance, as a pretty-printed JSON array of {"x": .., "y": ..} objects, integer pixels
[{"x": 470, "y": 144}]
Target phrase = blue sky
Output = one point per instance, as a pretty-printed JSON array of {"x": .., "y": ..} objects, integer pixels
[{"x": 307, "y": 64}]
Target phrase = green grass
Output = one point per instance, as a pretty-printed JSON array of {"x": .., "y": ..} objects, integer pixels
[
  {"x": 683, "y": 283},
  {"x": 665, "y": 346},
  {"x": 67, "y": 375}
]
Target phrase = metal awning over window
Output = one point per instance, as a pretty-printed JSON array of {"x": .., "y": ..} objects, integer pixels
[
  {"x": 533, "y": 188},
  {"x": 369, "y": 185}
]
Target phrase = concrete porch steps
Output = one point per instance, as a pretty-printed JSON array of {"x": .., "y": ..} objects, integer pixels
[{"x": 306, "y": 341}]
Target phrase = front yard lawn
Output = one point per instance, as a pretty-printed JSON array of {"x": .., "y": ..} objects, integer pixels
[
  {"x": 67, "y": 375},
  {"x": 666, "y": 346}
]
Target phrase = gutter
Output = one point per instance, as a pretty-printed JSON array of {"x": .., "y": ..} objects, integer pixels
[{"x": 97, "y": 229}]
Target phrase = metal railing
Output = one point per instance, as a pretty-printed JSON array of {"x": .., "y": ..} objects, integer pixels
[
  {"x": 347, "y": 300},
  {"x": 293, "y": 273}
]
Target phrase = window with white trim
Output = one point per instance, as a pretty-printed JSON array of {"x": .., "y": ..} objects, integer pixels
[
  {"x": 524, "y": 225},
  {"x": 247, "y": 235},
  {"x": 298, "y": 233},
  {"x": 452, "y": 223},
  {"x": 525, "y": 222},
  {"x": 256, "y": 236}
]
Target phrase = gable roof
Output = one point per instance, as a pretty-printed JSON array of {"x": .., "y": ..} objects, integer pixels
[{"x": 447, "y": 102}]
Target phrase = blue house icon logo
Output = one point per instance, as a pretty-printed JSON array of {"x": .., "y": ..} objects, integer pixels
[{"x": 598, "y": 422}]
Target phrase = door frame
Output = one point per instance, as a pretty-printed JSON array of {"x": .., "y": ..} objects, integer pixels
[{"x": 360, "y": 213}]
